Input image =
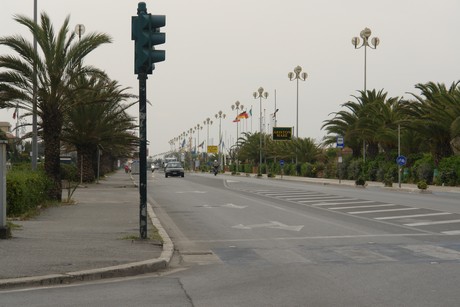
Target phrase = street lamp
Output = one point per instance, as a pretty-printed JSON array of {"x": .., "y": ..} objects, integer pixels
[
  {"x": 80, "y": 30},
  {"x": 365, "y": 34},
  {"x": 219, "y": 116},
  {"x": 207, "y": 122},
  {"x": 237, "y": 106},
  {"x": 198, "y": 128},
  {"x": 260, "y": 94},
  {"x": 297, "y": 75}
]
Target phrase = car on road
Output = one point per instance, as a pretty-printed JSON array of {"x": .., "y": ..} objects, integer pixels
[{"x": 174, "y": 169}]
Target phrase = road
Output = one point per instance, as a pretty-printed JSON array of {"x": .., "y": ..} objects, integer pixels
[{"x": 255, "y": 242}]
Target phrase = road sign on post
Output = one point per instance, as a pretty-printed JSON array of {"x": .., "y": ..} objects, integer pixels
[
  {"x": 145, "y": 30},
  {"x": 401, "y": 160},
  {"x": 340, "y": 143}
]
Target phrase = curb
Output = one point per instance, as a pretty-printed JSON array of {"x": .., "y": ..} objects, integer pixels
[{"x": 122, "y": 270}]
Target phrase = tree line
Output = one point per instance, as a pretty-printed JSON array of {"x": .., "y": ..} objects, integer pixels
[{"x": 78, "y": 107}]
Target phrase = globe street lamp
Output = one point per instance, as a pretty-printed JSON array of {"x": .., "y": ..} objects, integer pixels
[
  {"x": 219, "y": 116},
  {"x": 297, "y": 75},
  {"x": 365, "y": 35},
  {"x": 260, "y": 94},
  {"x": 237, "y": 106},
  {"x": 80, "y": 30},
  {"x": 207, "y": 122},
  {"x": 198, "y": 128}
]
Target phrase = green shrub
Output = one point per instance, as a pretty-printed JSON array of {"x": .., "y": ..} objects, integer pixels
[
  {"x": 423, "y": 169},
  {"x": 26, "y": 190},
  {"x": 422, "y": 185},
  {"x": 355, "y": 169},
  {"x": 360, "y": 181},
  {"x": 449, "y": 171},
  {"x": 306, "y": 170}
]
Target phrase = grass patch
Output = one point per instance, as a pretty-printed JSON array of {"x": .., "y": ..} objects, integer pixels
[{"x": 153, "y": 235}]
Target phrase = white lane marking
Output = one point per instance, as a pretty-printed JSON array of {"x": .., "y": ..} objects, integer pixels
[
  {"x": 433, "y": 223},
  {"x": 319, "y": 199},
  {"x": 234, "y": 206},
  {"x": 378, "y": 211},
  {"x": 357, "y": 207},
  {"x": 344, "y": 202},
  {"x": 289, "y": 194},
  {"x": 435, "y": 251},
  {"x": 410, "y": 216},
  {"x": 451, "y": 232},
  {"x": 315, "y": 198},
  {"x": 272, "y": 224}
]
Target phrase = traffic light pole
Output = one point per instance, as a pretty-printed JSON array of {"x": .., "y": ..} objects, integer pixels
[
  {"x": 145, "y": 31},
  {"x": 143, "y": 154}
]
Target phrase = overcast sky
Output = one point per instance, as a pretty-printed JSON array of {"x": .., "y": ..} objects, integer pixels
[{"x": 218, "y": 52}]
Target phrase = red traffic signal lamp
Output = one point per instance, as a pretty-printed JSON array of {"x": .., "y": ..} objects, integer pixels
[{"x": 145, "y": 31}]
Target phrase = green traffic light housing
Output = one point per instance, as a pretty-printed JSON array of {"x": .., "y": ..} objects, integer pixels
[{"x": 146, "y": 34}]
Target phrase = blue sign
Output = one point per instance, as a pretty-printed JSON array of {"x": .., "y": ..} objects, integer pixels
[
  {"x": 282, "y": 163},
  {"x": 401, "y": 160},
  {"x": 340, "y": 143}
]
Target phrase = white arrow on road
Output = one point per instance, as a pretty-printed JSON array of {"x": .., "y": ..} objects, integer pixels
[{"x": 272, "y": 224}]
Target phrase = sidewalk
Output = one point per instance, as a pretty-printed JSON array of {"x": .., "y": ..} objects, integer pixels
[{"x": 84, "y": 241}]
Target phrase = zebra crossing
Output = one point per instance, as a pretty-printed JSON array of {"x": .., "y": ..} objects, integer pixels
[{"x": 421, "y": 218}]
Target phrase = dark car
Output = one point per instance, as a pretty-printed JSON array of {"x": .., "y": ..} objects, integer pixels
[{"x": 174, "y": 169}]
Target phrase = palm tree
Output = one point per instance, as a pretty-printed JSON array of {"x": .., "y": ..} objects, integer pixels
[
  {"x": 371, "y": 119},
  {"x": 435, "y": 115},
  {"x": 99, "y": 121},
  {"x": 54, "y": 71}
]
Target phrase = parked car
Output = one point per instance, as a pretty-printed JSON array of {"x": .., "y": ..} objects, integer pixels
[{"x": 174, "y": 169}]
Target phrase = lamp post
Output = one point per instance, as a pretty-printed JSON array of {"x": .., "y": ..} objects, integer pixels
[
  {"x": 237, "y": 106},
  {"x": 219, "y": 116},
  {"x": 198, "y": 128},
  {"x": 260, "y": 94},
  {"x": 34, "y": 99},
  {"x": 80, "y": 30},
  {"x": 297, "y": 75},
  {"x": 365, "y": 35},
  {"x": 207, "y": 122}
]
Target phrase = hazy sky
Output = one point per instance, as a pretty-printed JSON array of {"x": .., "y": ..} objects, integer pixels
[{"x": 218, "y": 52}]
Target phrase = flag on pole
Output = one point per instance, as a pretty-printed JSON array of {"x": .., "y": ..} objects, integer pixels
[
  {"x": 201, "y": 145},
  {"x": 183, "y": 143},
  {"x": 250, "y": 111},
  {"x": 236, "y": 120},
  {"x": 242, "y": 115}
]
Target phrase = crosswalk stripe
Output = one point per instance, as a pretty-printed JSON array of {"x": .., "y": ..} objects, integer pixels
[
  {"x": 357, "y": 207},
  {"x": 411, "y": 216},
  {"x": 344, "y": 202},
  {"x": 378, "y": 211},
  {"x": 433, "y": 223}
]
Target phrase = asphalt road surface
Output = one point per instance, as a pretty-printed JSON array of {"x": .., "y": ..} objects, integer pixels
[{"x": 254, "y": 242}]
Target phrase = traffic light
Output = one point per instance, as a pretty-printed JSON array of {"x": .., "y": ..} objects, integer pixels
[{"x": 146, "y": 34}]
